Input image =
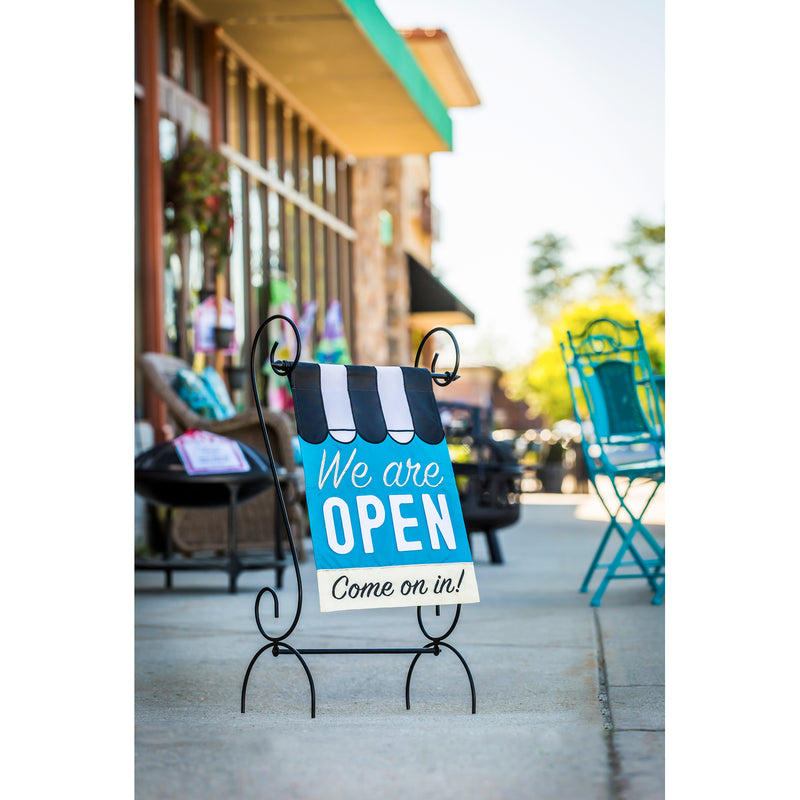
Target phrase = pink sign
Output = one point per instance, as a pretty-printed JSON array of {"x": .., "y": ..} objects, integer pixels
[{"x": 205, "y": 453}]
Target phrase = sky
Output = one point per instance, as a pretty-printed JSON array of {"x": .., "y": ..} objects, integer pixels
[{"x": 569, "y": 138}]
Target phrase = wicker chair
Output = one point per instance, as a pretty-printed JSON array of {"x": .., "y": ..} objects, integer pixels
[{"x": 195, "y": 531}]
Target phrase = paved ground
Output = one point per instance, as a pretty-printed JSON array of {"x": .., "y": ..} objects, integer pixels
[{"x": 570, "y": 699}]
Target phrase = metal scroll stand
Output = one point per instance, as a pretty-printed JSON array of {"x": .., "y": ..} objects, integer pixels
[{"x": 279, "y": 644}]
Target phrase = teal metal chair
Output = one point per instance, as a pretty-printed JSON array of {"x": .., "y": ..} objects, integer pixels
[{"x": 616, "y": 398}]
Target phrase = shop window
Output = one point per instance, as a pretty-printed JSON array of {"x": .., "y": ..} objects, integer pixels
[
  {"x": 198, "y": 87},
  {"x": 274, "y": 236},
  {"x": 347, "y": 206},
  {"x": 196, "y": 265},
  {"x": 261, "y": 114},
  {"x": 330, "y": 183},
  {"x": 167, "y": 139},
  {"x": 196, "y": 281},
  {"x": 305, "y": 278},
  {"x": 253, "y": 119},
  {"x": 237, "y": 259},
  {"x": 172, "y": 288},
  {"x": 242, "y": 118},
  {"x": 224, "y": 92},
  {"x": 318, "y": 174},
  {"x": 273, "y": 138},
  {"x": 163, "y": 38},
  {"x": 332, "y": 266},
  {"x": 256, "y": 216},
  {"x": 289, "y": 241},
  {"x": 259, "y": 253},
  {"x": 233, "y": 105},
  {"x": 321, "y": 284},
  {"x": 304, "y": 161},
  {"x": 289, "y": 154},
  {"x": 178, "y": 65},
  {"x": 274, "y": 232}
]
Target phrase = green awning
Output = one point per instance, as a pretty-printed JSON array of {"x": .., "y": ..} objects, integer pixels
[{"x": 344, "y": 67}]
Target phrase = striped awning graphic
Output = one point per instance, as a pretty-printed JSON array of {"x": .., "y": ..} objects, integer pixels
[{"x": 371, "y": 402}]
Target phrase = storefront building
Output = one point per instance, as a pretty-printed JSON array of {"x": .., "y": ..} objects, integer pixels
[{"x": 326, "y": 116}]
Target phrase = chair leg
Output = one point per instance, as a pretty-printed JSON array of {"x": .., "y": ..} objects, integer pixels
[
  {"x": 650, "y": 568},
  {"x": 658, "y": 597},
  {"x": 616, "y": 562},
  {"x": 637, "y": 526},
  {"x": 495, "y": 553},
  {"x": 597, "y": 556}
]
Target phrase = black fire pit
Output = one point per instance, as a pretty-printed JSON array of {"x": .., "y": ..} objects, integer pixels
[{"x": 160, "y": 477}]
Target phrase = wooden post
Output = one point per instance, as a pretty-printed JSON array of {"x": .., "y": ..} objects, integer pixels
[{"x": 151, "y": 203}]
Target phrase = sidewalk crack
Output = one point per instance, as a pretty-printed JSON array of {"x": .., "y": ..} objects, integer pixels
[{"x": 616, "y": 781}]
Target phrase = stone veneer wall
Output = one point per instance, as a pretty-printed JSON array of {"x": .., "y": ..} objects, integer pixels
[
  {"x": 370, "y": 345},
  {"x": 397, "y": 284},
  {"x": 381, "y": 290}
]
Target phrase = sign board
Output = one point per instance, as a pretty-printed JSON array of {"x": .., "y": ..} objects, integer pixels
[
  {"x": 206, "y": 453},
  {"x": 386, "y": 523}
]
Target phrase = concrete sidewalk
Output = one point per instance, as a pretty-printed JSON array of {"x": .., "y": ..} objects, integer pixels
[{"x": 570, "y": 699}]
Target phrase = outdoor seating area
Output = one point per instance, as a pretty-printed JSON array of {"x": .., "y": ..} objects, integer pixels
[
  {"x": 195, "y": 533},
  {"x": 618, "y": 405}
]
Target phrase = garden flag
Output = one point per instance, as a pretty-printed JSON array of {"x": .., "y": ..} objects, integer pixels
[
  {"x": 278, "y": 395},
  {"x": 332, "y": 347},
  {"x": 305, "y": 326},
  {"x": 385, "y": 515}
]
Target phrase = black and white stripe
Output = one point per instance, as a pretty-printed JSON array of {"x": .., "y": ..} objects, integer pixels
[{"x": 372, "y": 402}]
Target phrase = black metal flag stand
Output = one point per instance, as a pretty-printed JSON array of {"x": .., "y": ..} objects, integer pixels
[{"x": 278, "y": 644}]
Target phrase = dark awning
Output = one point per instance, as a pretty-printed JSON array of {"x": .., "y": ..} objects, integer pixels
[{"x": 432, "y": 303}]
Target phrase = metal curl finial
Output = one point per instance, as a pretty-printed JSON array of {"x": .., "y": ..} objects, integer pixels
[
  {"x": 282, "y": 368},
  {"x": 444, "y": 378}
]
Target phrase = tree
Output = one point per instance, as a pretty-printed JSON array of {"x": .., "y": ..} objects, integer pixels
[
  {"x": 630, "y": 289},
  {"x": 638, "y": 274},
  {"x": 641, "y": 271},
  {"x": 542, "y": 384},
  {"x": 549, "y": 278}
]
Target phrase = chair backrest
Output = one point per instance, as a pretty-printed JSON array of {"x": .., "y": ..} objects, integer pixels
[{"x": 611, "y": 379}]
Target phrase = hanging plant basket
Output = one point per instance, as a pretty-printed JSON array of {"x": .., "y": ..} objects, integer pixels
[
  {"x": 198, "y": 197},
  {"x": 223, "y": 338},
  {"x": 238, "y": 376}
]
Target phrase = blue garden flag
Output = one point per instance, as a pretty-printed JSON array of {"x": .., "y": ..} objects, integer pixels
[{"x": 385, "y": 515}]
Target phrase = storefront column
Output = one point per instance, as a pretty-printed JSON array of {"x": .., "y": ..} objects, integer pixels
[{"x": 152, "y": 202}]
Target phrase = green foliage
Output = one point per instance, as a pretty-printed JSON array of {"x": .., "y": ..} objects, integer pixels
[
  {"x": 549, "y": 278},
  {"x": 639, "y": 273},
  {"x": 568, "y": 299},
  {"x": 197, "y": 195},
  {"x": 542, "y": 383},
  {"x": 641, "y": 270}
]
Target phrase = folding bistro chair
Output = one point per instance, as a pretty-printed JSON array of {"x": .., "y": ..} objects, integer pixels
[{"x": 616, "y": 399}]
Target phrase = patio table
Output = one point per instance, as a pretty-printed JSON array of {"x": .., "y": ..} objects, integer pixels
[{"x": 161, "y": 478}]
